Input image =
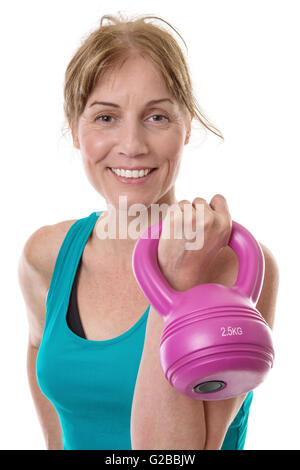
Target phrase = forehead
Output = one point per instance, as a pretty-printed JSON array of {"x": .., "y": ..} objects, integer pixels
[{"x": 137, "y": 76}]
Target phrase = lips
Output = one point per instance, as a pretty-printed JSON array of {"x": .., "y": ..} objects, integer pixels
[
  {"x": 139, "y": 180},
  {"x": 132, "y": 169}
]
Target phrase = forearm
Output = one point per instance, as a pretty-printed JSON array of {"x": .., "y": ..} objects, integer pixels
[
  {"x": 162, "y": 418},
  {"x": 47, "y": 414},
  {"x": 218, "y": 417}
]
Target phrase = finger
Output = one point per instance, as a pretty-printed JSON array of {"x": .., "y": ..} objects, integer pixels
[
  {"x": 198, "y": 202},
  {"x": 182, "y": 203},
  {"x": 174, "y": 219},
  {"x": 203, "y": 214},
  {"x": 187, "y": 209},
  {"x": 219, "y": 204}
]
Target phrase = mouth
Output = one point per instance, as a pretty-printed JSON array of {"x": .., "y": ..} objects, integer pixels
[{"x": 136, "y": 176}]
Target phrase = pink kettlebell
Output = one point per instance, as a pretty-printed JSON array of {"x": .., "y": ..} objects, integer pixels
[{"x": 215, "y": 344}]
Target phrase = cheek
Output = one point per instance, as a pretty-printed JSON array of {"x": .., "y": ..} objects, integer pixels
[
  {"x": 173, "y": 145},
  {"x": 93, "y": 148},
  {"x": 172, "y": 153}
]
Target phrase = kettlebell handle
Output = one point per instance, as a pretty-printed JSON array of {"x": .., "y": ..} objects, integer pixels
[{"x": 162, "y": 295}]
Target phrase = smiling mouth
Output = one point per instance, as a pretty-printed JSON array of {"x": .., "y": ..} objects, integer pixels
[{"x": 134, "y": 174}]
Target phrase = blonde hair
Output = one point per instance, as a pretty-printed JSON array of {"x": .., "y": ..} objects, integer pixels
[{"x": 111, "y": 45}]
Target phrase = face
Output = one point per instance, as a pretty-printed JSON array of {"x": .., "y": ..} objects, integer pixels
[{"x": 129, "y": 133}]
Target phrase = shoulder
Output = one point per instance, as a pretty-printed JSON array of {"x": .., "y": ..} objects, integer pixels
[
  {"x": 225, "y": 270},
  {"x": 35, "y": 269},
  {"x": 41, "y": 248}
]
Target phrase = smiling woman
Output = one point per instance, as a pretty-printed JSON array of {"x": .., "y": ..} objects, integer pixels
[
  {"x": 132, "y": 140},
  {"x": 93, "y": 345}
]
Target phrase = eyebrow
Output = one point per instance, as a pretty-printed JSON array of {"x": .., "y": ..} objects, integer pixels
[{"x": 105, "y": 103}]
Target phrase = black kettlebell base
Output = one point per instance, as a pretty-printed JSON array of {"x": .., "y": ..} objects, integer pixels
[{"x": 210, "y": 386}]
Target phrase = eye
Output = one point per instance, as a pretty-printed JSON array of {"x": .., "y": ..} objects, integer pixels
[
  {"x": 160, "y": 115},
  {"x": 101, "y": 116}
]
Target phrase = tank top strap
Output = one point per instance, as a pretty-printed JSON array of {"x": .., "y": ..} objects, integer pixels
[{"x": 68, "y": 258}]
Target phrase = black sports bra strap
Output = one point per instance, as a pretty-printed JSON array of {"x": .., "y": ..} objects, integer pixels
[{"x": 73, "y": 318}]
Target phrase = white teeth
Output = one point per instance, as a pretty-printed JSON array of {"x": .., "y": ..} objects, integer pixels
[{"x": 131, "y": 174}]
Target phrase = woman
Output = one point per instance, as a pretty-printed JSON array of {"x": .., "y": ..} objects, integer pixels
[{"x": 93, "y": 362}]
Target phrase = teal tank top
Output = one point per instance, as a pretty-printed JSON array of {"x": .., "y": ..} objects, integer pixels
[{"x": 91, "y": 383}]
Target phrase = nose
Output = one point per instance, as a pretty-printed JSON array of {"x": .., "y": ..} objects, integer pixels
[{"x": 132, "y": 138}]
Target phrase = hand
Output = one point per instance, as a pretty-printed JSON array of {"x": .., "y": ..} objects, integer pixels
[{"x": 183, "y": 267}]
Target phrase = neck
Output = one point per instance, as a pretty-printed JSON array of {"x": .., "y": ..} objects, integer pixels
[{"x": 116, "y": 232}]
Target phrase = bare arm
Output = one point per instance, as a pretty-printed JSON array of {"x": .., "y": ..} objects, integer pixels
[
  {"x": 164, "y": 419},
  {"x": 33, "y": 281},
  {"x": 46, "y": 412}
]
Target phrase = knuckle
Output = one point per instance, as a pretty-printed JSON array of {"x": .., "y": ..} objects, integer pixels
[
  {"x": 219, "y": 196},
  {"x": 183, "y": 202},
  {"x": 199, "y": 204},
  {"x": 200, "y": 200}
]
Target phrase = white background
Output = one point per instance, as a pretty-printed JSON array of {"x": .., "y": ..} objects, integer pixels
[{"x": 244, "y": 61}]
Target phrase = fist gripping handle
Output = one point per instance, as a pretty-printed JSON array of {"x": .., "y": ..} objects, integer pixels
[
  {"x": 162, "y": 296},
  {"x": 215, "y": 343}
]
